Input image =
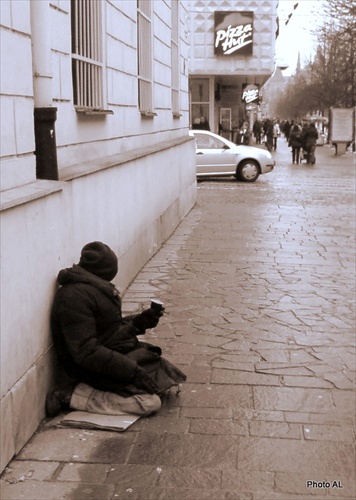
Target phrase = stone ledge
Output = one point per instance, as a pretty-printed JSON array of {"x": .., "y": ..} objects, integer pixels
[
  {"x": 82, "y": 169},
  {"x": 29, "y": 192},
  {"x": 41, "y": 188}
]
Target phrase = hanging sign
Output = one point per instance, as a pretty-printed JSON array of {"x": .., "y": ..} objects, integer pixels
[
  {"x": 250, "y": 93},
  {"x": 233, "y": 33},
  {"x": 251, "y": 107}
]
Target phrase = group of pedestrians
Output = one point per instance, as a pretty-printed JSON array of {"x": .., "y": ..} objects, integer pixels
[
  {"x": 201, "y": 124},
  {"x": 302, "y": 139},
  {"x": 267, "y": 132}
]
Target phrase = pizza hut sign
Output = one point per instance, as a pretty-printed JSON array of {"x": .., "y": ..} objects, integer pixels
[
  {"x": 233, "y": 33},
  {"x": 250, "y": 93}
]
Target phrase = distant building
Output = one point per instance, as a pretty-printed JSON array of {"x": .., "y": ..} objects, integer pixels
[
  {"x": 272, "y": 91},
  {"x": 94, "y": 146},
  {"x": 232, "y": 47}
]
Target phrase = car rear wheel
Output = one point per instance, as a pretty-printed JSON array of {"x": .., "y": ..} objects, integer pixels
[{"x": 248, "y": 171}]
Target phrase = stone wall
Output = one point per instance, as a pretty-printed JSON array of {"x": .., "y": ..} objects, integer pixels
[{"x": 133, "y": 205}]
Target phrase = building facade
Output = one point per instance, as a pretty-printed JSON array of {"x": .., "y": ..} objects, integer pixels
[
  {"x": 94, "y": 146},
  {"x": 232, "y": 49}
]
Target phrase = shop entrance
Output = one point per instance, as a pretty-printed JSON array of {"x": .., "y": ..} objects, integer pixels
[
  {"x": 200, "y": 103},
  {"x": 225, "y": 123}
]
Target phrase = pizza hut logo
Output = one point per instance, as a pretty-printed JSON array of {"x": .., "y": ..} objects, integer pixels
[
  {"x": 233, "y": 33},
  {"x": 234, "y": 39},
  {"x": 250, "y": 93}
]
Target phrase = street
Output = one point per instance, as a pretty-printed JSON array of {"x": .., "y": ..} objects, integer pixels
[{"x": 258, "y": 283}]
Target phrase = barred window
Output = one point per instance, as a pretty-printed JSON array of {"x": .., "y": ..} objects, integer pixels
[
  {"x": 144, "y": 56},
  {"x": 87, "y": 55},
  {"x": 175, "y": 57}
]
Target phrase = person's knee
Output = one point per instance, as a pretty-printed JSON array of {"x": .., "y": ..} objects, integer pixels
[
  {"x": 156, "y": 403},
  {"x": 149, "y": 403}
]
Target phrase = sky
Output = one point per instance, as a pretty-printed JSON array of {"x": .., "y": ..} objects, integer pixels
[{"x": 297, "y": 36}]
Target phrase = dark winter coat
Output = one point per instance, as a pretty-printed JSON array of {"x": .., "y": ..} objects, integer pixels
[
  {"x": 94, "y": 343},
  {"x": 304, "y": 135},
  {"x": 295, "y": 140},
  {"x": 268, "y": 128},
  {"x": 311, "y": 136}
]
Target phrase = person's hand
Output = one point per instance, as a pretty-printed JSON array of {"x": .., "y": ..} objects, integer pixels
[
  {"x": 148, "y": 319},
  {"x": 142, "y": 380}
]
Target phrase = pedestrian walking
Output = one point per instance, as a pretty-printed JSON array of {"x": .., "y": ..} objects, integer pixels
[
  {"x": 243, "y": 135},
  {"x": 295, "y": 143},
  {"x": 286, "y": 129},
  {"x": 303, "y": 139},
  {"x": 257, "y": 129},
  {"x": 310, "y": 143},
  {"x": 276, "y": 134},
  {"x": 268, "y": 130}
]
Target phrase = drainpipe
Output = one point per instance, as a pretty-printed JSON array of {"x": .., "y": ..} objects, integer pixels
[{"x": 45, "y": 114}]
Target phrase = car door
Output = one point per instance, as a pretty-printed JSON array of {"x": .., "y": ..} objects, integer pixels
[{"x": 213, "y": 155}]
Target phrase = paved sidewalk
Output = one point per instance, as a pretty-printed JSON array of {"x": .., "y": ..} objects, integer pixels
[{"x": 259, "y": 287}]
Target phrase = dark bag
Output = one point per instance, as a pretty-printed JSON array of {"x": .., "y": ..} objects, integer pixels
[
  {"x": 143, "y": 355},
  {"x": 164, "y": 374}
]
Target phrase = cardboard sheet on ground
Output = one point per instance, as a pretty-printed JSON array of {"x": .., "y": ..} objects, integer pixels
[{"x": 85, "y": 420}]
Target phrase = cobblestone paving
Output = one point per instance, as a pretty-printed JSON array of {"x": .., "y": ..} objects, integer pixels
[{"x": 259, "y": 287}]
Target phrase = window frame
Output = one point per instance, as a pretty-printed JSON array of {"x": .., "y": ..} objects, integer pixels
[
  {"x": 175, "y": 59},
  {"x": 145, "y": 80},
  {"x": 88, "y": 57},
  {"x": 203, "y": 105}
]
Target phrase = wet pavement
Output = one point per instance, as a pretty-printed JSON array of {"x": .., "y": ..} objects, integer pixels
[{"x": 259, "y": 287}]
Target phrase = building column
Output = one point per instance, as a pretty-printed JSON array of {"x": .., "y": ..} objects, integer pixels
[{"x": 44, "y": 113}]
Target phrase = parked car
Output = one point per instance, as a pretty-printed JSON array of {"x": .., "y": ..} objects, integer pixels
[{"x": 217, "y": 156}]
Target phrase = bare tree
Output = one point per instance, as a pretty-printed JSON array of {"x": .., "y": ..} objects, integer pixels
[{"x": 330, "y": 79}]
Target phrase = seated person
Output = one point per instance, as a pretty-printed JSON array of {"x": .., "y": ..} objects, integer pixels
[{"x": 112, "y": 371}]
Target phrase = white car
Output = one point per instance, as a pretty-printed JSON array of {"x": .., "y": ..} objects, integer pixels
[{"x": 216, "y": 156}]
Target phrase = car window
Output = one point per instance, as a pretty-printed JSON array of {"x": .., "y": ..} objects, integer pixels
[{"x": 208, "y": 142}]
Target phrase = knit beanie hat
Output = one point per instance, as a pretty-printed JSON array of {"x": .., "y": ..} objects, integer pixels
[{"x": 99, "y": 259}]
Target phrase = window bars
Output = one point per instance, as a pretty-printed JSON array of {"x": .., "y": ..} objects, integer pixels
[
  {"x": 175, "y": 57},
  {"x": 87, "y": 65},
  {"x": 144, "y": 33}
]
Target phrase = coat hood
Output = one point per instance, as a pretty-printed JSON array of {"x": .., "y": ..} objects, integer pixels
[{"x": 76, "y": 274}]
